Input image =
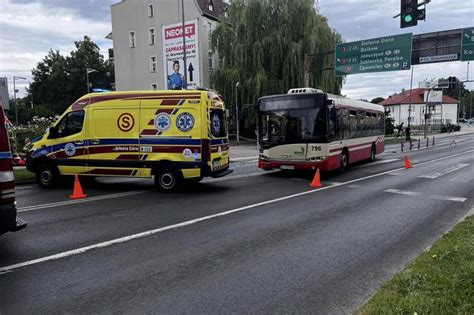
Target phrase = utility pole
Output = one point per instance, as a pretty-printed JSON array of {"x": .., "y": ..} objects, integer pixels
[
  {"x": 14, "y": 96},
  {"x": 184, "y": 47},
  {"x": 237, "y": 120}
]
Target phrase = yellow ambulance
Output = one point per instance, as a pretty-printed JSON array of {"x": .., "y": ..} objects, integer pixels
[{"x": 169, "y": 135}]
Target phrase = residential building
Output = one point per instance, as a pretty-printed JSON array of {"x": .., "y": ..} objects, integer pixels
[
  {"x": 411, "y": 106},
  {"x": 4, "y": 93},
  {"x": 147, "y": 42}
]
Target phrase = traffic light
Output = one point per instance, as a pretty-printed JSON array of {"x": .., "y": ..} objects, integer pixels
[
  {"x": 452, "y": 83},
  {"x": 408, "y": 13}
]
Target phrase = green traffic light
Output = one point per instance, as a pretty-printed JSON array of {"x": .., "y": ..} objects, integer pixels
[{"x": 408, "y": 18}]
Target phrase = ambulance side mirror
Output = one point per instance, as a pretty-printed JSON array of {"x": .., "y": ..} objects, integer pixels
[{"x": 53, "y": 132}]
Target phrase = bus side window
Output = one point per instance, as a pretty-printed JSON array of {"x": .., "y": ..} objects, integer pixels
[{"x": 353, "y": 123}]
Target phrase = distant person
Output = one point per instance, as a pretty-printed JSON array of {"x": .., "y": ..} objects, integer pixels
[
  {"x": 176, "y": 80},
  {"x": 407, "y": 134},
  {"x": 399, "y": 129}
]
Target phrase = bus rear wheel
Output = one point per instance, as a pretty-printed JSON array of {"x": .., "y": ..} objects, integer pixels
[
  {"x": 344, "y": 160},
  {"x": 372, "y": 153}
]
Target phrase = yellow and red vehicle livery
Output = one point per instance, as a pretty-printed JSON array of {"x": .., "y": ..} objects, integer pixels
[{"x": 171, "y": 135}]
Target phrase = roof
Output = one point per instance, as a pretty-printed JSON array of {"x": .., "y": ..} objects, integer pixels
[
  {"x": 219, "y": 7},
  {"x": 415, "y": 96}
]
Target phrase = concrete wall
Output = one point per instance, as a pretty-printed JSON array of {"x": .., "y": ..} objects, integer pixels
[
  {"x": 442, "y": 114},
  {"x": 132, "y": 65}
]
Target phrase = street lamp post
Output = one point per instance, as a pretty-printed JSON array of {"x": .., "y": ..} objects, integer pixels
[
  {"x": 237, "y": 112},
  {"x": 14, "y": 96},
  {"x": 88, "y": 71}
]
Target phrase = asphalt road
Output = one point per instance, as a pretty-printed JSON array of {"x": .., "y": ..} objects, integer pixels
[{"x": 252, "y": 242}]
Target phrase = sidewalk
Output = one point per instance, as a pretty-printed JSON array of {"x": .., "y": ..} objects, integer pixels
[{"x": 243, "y": 152}]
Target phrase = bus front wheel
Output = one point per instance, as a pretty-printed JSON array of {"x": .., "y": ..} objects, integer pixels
[{"x": 344, "y": 160}]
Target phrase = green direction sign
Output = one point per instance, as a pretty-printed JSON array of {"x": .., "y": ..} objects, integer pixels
[
  {"x": 467, "y": 44},
  {"x": 390, "y": 53}
]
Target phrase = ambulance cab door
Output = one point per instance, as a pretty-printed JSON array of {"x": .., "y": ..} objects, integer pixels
[
  {"x": 69, "y": 144},
  {"x": 113, "y": 139}
]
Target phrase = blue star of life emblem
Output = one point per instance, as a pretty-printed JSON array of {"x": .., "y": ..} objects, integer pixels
[
  {"x": 70, "y": 149},
  {"x": 162, "y": 122},
  {"x": 216, "y": 124},
  {"x": 185, "y": 122}
]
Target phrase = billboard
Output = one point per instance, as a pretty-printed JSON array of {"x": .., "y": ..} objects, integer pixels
[{"x": 173, "y": 55}]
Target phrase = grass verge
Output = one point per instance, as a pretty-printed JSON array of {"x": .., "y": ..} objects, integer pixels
[
  {"x": 23, "y": 174},
  {"x": 440, "y": 281}
]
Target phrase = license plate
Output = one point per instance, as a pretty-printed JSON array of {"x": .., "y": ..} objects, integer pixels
[
  {"x": 287, "y": 167},
  {"x": 216, "y": 163}
]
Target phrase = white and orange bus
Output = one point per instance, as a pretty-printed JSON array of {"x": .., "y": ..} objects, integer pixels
[{"x": 308, "y": 129}]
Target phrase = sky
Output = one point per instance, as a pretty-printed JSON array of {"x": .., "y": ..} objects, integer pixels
[{"x": 30, "y": 28}]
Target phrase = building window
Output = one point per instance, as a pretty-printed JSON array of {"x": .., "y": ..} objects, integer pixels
[
  {"x": 131, "y": 39},
  {"x": 154, "y": 86},
  {"x": 209, "y": 30},
  {"x": 211, "y": 6},
  {"x": 151, "y": 10},
  {"x": 211, "y": 61},
  {"x": 151, "y": 36},
  {"x": 153, "y": 64}
]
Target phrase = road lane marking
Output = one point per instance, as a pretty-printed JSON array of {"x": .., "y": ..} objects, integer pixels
[
  {"x": 429, "y": 196},
  {"x": 81, "y": 250},
  {"x": 378, "y": 162},
  {"x": 445, "y": 171},
  {"x": 72, "y": 202}
]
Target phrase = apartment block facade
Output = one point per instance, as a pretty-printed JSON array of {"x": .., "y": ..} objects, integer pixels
[{"x": 147, "y": 40}]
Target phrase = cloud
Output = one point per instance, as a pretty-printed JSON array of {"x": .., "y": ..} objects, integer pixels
[
  {"x": 31, "y": 28},
  {"x": 363, "y": 19}
]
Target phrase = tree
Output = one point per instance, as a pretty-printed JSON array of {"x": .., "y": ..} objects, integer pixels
[
  {"x": 389, "y": 126},
  {"x": 58, "y": 80},
  {"x": 377, "y": 100},
  {"x": 262, "y": 45}
]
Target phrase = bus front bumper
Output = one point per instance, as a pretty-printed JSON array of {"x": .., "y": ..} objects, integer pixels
[{"x": 293, "y": 165}]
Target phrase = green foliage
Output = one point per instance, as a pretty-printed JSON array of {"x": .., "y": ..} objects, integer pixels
[
  {"x": 262, "y": 45},
  {"x": 60, "y": 80},
  {"x": 438, "y": 282},
  {"x": 377, "y": 100}
]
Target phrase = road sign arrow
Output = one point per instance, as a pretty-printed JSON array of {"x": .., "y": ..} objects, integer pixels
[{"x": 191, "y": 71}]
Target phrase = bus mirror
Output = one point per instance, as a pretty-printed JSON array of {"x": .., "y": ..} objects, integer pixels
[{"x": 333, "y": 113}]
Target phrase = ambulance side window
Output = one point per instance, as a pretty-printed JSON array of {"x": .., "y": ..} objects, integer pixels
[{"x": 70, "y": 124}]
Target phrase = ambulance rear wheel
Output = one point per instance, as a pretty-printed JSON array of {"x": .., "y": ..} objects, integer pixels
[
  {"x": 47, "y": 175},
  {"x": 168, "y": 180}
]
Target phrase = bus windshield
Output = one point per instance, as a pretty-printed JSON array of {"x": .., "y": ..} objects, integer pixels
[{"x": 287, "y": 119}]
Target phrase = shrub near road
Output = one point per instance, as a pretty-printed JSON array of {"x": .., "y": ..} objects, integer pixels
[{"x": 441, "y": 281}]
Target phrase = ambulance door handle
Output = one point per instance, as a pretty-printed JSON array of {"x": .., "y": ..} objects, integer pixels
[
  {"x": 95, "y": 141},
  {"x": 79, "y": 142}
]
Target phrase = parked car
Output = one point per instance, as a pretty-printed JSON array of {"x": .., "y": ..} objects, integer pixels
[{"x": 8, "y": 213}]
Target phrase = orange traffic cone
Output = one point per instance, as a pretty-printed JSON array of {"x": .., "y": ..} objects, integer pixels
[
  {"x": 316, "y": 183},
  {"x": 77, "y": 192},
  {"x": 407, "y": 162}
]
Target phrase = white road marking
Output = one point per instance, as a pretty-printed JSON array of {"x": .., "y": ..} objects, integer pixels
[
  {"x": 429, "y": 196},
  {"x": 445, "y": 171},
  {"x": 124, "y": 239},
  {"x": 72, "y": 202},
  {"x": 378, "y": 162}
]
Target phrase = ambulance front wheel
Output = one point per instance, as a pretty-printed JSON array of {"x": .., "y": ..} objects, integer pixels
[
  {"x": 47, "y": 175},
  {"x": 168, "y": 180}
]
